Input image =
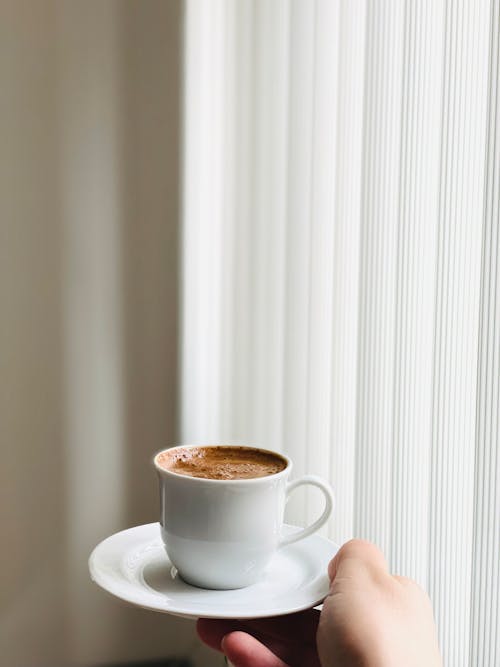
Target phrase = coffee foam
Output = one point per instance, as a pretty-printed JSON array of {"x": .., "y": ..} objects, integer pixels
[{"x": 221, "y": 462}]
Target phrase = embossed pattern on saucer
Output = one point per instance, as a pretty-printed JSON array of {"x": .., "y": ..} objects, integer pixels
[{"x": 133, "y": 566}]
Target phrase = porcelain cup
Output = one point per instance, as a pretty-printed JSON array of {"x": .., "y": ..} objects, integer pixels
[{"x": 220, "y": 534}]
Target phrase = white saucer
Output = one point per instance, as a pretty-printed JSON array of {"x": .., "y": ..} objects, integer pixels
[{"x": 133, "y": 566}]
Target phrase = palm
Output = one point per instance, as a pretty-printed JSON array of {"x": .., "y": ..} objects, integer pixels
[{"x": 283, "y": 641}]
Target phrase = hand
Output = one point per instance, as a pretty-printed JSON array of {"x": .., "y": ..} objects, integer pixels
[
  {"x": 266, "y": 642},
  {"x": 369, "y": 619},
  {"x": 372, "y": 618}
]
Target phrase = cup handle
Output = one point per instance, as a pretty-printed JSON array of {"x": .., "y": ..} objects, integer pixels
[{"x": 329, "y": 505}]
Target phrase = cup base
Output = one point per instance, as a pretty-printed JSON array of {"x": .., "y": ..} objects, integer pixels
[
  {"x": 215, "y": 586},
  {"x": 217, "y": 566}
]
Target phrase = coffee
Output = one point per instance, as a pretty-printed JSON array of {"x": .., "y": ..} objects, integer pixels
[{"x": 221, "y": 462}]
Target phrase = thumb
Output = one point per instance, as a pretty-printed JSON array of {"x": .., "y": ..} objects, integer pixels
[{"x": 355, "y": 558}]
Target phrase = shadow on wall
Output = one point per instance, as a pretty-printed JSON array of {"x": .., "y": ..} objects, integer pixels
[{"x": 89, "y": 211}]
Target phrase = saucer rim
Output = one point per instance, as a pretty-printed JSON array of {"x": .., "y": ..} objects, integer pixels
[{"x": 108, "y": 582}]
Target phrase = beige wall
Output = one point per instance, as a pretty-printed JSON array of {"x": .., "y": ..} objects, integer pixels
[{"x": 89, "y": 212}]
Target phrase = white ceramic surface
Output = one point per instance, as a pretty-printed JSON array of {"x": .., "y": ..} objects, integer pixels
[
  {"x": 221, "y": 534},
  {"x": 133, "y": 566}
]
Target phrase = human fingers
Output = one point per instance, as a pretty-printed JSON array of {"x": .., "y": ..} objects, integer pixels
[
  {"x": 300, "y": 627},
  {"x": 212, "y": 631},
  {"x": 355, "y": 558},
  {"x": 294, "y": 645},
  {"x": 243, "y": 650}
]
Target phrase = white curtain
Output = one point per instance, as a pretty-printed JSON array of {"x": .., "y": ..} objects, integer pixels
[{"x": 341, "y": 291}]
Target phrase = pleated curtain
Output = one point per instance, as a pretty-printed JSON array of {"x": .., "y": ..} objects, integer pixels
[{"x": 340, "y": 281}]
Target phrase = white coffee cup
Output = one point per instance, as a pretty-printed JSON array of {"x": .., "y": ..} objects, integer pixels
[{"x": 221, "y": 533}]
